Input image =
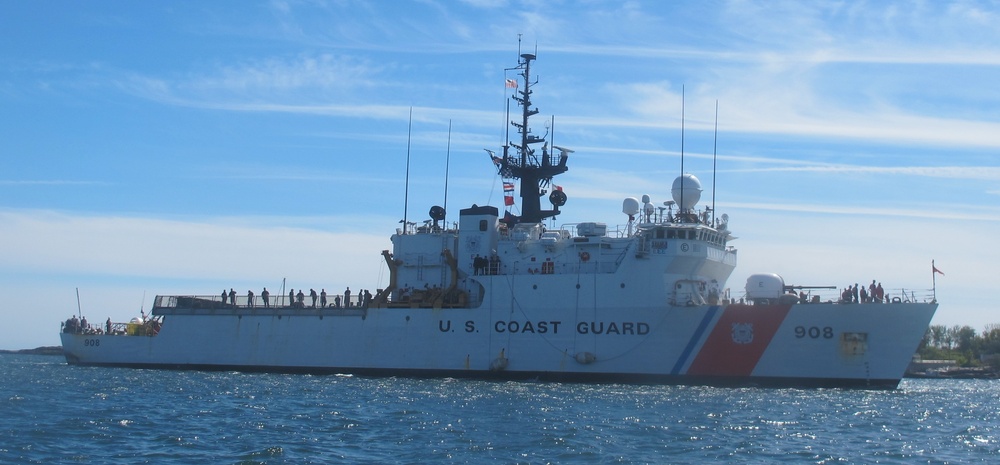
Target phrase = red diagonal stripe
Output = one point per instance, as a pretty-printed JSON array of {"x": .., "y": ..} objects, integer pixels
[{"x": 722, "y": 356}]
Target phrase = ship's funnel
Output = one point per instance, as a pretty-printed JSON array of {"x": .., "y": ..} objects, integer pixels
[{"x": 686, "y": 191}]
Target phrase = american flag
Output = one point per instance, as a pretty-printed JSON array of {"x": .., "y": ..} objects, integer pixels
[{"x": 511, "y": 83}]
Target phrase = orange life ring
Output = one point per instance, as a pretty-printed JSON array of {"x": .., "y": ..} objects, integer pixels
[{"x": 584, "y": 256}]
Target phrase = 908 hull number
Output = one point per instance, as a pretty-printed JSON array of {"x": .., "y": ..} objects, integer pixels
[{"x": 814, "y": 332}]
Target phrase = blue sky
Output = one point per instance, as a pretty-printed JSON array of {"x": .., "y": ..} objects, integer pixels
[{"x": 186, "y": 147}]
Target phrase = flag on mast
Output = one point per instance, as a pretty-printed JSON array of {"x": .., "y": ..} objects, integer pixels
[
  {"x": 934, "y": 272},
  {"x": 508, "y": 193},
  {"x": 934, "y": 269},
  {"x": 511, "y": 83}
]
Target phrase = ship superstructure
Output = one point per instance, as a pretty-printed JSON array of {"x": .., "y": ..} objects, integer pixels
[{"x": 502, "y": 295}]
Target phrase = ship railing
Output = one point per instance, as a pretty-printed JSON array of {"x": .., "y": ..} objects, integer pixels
[
  {"x": 891, "y": 296},
  {"x": 148, "y": 327},
  {"x": 244, "y": 301}
]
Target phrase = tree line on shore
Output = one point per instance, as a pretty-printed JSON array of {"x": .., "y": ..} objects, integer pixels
[{"x": 963, "y": 344}]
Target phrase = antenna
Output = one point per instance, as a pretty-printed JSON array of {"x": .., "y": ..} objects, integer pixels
[
  {"x": 79, "y": 310},
  {"x": 552, "y": 131},
  {"x": 681, "y": 206},
  {"x": 447, "y": 167},
  {"x": 715, "y": 149},
  {"x": 406, "y": 185}
]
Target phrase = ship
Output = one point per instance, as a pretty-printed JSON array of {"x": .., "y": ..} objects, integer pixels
[{"x": 506, "y": 294}]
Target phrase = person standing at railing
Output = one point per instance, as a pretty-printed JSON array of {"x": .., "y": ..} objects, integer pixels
[
  {"x": 265, "y": 295},
  {"x": 225, "y": 295},
  {"x": 232, "y": 296},
  {"x": 249, "y": 298}
]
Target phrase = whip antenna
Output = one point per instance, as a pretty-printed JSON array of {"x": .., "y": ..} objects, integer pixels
[
  {"x": 715, "y": 149},
  {"x": 447, "y": 167},
  {"x": 406, "y": 186}
]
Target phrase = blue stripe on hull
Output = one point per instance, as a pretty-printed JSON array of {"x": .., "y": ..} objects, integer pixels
[{"x": 702, "y": 327}]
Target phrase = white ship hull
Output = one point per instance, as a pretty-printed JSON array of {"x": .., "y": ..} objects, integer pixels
[{"x": 864, "y": 345}]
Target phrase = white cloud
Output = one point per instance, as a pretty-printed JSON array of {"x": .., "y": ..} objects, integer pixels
[{"x": 229, "y": 249}]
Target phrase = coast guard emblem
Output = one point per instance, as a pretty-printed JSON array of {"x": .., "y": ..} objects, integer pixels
[{"x": 742, "y": 333}]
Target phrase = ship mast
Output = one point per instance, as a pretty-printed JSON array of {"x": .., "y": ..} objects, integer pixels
[{"x": 535, "y": 174}]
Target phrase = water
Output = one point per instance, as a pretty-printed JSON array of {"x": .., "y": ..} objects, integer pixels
[{"x": 54, "y": 413}]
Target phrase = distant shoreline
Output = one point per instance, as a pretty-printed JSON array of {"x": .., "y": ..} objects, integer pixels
[{"x": 47, "y": 350}]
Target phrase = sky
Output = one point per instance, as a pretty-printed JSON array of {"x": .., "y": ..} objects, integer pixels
[{"x": 164, "y": 148}]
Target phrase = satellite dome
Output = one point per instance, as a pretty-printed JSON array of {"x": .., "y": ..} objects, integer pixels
[
  {"x": 686, "y": 191},
  {"x": 630, "y": 206}
]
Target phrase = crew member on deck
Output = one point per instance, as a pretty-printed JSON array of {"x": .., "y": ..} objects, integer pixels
[{"x": 265, "y": 295}]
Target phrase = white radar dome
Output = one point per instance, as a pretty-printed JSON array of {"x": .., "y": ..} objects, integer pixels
[
  {"x": 630, "y": 206},
  {"x": 686, "y": 191},
  {"x": 765, "y": 286}
]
